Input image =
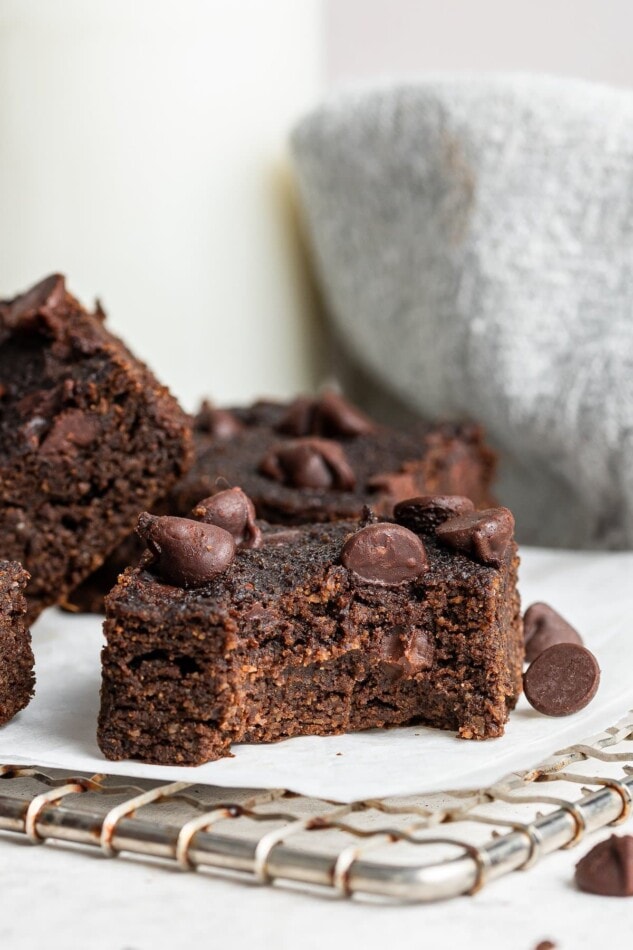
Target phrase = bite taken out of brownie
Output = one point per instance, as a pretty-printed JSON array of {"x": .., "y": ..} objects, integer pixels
[
  {"x": 87, "y": 438},
  {"x": 313, "y": 459},
  {"x": 17, "y": 678},
  {"x": 233, "y": 631}
]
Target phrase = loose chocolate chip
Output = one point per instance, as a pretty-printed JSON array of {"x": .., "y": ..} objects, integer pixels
[
  {"x": 385, "y": 554},
  {"x": 309, "y": 463},
  {"x": 424, "y": 513},
  {"x": 48, "y": 294},
  {"x": 232, "y": 510},
  {"x": 482, "y": 535},
  {"x": 186, "y": 553},
  {"x": 328, "y": 414},
  {"x": 543, "y": 627},
  {"x": 562, "y": 679},
  {"x": 608, "y": 868},
  {"x": 220, "y": 423}
]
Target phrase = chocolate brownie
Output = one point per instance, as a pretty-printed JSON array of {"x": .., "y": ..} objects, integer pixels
[
  {"x": 87, "y": 438},
  {"x": 227, "y": 634},
  {"x": 16, "y": 657},
  {"x": 315, "y": 459}
]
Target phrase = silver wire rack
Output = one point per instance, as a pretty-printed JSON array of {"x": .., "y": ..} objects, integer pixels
[{"x": 422, "y": 848}]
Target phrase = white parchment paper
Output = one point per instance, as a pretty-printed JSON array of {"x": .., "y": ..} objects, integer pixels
[{"x": 594, "y": 591}]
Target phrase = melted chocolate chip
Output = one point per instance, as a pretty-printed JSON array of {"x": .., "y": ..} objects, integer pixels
[
  {"x": 425, "y": 512},
  {"x": 562, "y": 679},
  {"x": 543, "y": 627},
  {"x": 483, "y": 535},
  {"x": 329, "y": 415},
  {"x": 186, "y": 553},
  {"x": 309, "y": 463},
  {"x": 385, "y": 554},
  {"x": 410, "y": 651},
  {"x": 232, "y": 510},
  {"x": 608, "y": 868},
  {"x": 220, "y": 423},
  {"x": 46, "y": 295}
]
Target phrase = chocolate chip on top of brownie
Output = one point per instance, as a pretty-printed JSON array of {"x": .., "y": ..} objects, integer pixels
[
  {"x": 314, "y": 630},
  {"x": 315, "y": 459}
]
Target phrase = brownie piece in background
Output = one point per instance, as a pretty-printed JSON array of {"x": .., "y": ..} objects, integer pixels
[
  {"x": 225, "y": 635},
  {"x": 17, "y": 678},
  {"x": 314, "y": 459},
  {"x": 87, "y": 438}
]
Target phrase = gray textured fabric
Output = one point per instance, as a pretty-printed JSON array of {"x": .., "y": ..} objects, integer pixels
[{"x": 474, "y": 240}]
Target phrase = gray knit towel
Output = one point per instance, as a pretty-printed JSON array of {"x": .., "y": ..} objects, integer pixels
[{"x": 474, "y": 240}]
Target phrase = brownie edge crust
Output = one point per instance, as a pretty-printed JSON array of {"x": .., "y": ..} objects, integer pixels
[{"x": 290, "y": 641}]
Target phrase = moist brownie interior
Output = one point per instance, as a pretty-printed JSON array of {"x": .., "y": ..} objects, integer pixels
[{"x": 87, "y": 437}]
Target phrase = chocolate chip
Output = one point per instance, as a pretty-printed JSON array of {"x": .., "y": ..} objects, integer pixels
[
  {"x": 309, "y": 463},
  {"x": 386, "y": 554},
  {"x": 220, "y": 423},
  {"x": 562, "y": 680},
  {"x": 608, "y": 868},
  {"x": 543, "y": 627},
  {"x": 329, "y": 414},
  {"x": 232, "y": 510},
  {"x": 46, "y": 295},
  {"x": 73, "y": 429},
  {"x": 425, "y": 512},
  {"x": 186, "y": 553},
  {"x": 409, "y": 649},
  {"x": 483, "y": 535}
]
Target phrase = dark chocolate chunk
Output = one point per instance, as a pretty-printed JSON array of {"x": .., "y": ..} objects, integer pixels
[
  {"x": 220, "y": 423},
  {"x": 409, "y": 650},
  {"x": 329, "y": 415},
  {"x": 425, "y": 512},
  {"x": 232, "y": 510},
  {"x": 48, "y": 294},
  {"x": 386, "y": 554},
  {"x": 394, "y": 484},
  {"x": 186, "y": 553},
  {"x": 482, "y": 535},
  {"x": 543, "y": 627},
  {"x": 562, "y": 680},
  {"x": 608, "y": 868},
  {"x": 309, "y": 463}
]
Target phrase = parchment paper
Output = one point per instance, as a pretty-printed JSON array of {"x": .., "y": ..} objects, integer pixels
[{"x": 594, "y": 592}]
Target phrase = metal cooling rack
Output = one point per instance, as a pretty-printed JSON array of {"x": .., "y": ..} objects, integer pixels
[{"x": 408, "y": 849}]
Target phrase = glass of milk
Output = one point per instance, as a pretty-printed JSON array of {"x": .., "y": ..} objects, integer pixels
[{"x": 142, "y": 154}]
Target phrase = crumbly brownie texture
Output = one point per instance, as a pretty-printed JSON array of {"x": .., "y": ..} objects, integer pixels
[
  {"x": 326, "y": 440},
  {"x": 16, "y": 657},
  {"x": 315, "y": 630},
  {"x": 88, "y": 437}
]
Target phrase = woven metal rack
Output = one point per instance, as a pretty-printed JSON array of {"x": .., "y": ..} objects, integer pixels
[{"x": 422, "y": 848}]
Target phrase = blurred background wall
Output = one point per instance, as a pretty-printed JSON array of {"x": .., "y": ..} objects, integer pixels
[
  {"x": 142, "y": 153},
  {"x": 369, "y": 39}
]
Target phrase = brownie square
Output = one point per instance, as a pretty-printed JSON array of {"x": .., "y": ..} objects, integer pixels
[
  {"x": 387, "y": 465},
  {"x": 292, "y": 638},
  {"x": 88, "y": 437},
  {"x": 17, "y": 678}
]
